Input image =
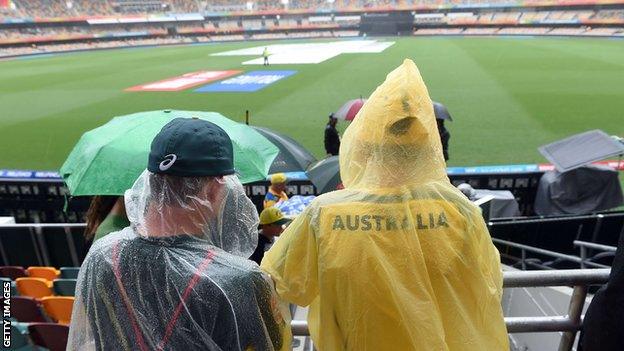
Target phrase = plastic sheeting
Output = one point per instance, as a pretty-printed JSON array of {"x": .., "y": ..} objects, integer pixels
[
  {"x": 400, "y": 259},
  {"x": 582, "y": 190},
  {"x": 178, "y": 278}
]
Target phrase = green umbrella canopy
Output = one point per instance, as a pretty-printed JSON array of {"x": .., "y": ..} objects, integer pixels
[{"x": 108, "y": 159}]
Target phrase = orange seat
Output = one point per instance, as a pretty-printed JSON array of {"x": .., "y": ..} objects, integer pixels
[
  {"x": 49, "y": 273},
  {"x": 59, "y": 308},
  {"x": 34, "y": 287}
]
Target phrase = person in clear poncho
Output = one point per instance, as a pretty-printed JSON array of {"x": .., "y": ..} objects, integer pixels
[
  {"x": 399, "y": 259},
  {"x": 178, "y": 277}
]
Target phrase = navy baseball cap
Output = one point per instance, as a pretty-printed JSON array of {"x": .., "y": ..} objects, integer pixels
[{"x": 191, "y": 147}]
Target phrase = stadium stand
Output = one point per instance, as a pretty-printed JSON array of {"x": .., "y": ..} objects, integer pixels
[
  {"x": 52, "y": 336},
  {"x": 40, "y": 316},
  {"x": 52, "y": 25}
]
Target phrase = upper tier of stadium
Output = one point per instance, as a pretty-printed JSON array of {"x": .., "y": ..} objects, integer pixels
[{"x": 86, "y": 8}]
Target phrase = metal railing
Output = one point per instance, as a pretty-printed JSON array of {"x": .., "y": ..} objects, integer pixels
[
  {"x": 569, "y": 324},
  {"x": 583, "y": 261}
]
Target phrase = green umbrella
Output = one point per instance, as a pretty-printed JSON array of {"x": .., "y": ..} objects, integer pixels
[{"x": 108, "y": 159}]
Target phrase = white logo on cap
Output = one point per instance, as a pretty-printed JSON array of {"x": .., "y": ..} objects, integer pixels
[{"x": 167, "y": 162}]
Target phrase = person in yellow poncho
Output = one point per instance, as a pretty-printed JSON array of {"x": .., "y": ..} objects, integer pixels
[{"x": 399, "y": 259}]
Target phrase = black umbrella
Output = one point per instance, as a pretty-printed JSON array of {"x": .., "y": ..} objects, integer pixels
[
  {"x": 441, "y": 112},
  {"x": 325, "y": 175},
  {"x": 292, "y": 157}
]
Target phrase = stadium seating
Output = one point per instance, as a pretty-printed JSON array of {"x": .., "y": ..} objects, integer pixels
[
  {"x": 59, "y": 308},
  {"x": 52, "y": 336},
  {"x": 13, "y": 287},
  {"x": 48, "y": 273},
  {"x": 26, "y": 309},
  {"x": 65, "y": 287},
  {"x": 13, "y": 272},
  {"x": 19, "y": 340},
  {"x": 69, "y": 272},
  {"x": 34, "y": 287}
]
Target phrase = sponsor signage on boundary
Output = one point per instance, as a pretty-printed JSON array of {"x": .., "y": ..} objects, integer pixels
[
  {"x": 528, "y": 168},
  {"x": 184, "y": 81},
  {"x": 248, "y": 82}
]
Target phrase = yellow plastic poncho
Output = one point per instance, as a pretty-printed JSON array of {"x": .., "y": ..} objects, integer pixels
[{"x": 400, "y": 259}]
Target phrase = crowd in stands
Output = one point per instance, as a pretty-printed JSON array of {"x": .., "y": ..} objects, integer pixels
[
  {"x": 69, "y": 31},
  {"x": 73, "y": 8},
  {"x": 121, "y": 43}
]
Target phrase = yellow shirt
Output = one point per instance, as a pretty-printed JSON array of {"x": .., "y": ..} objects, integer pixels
[{"x": 272, "y": 197}]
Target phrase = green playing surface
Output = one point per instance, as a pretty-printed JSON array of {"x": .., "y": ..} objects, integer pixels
[{"x": 507, "y": 95}]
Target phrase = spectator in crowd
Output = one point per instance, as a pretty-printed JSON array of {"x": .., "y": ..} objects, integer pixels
[
  {"x": 272, "y": 222},
  {"x": 277, "y": 190},
  {"x": 106, "y": 214},
  {"x": 178, "y": 278},
  {"x": 332, "y": 138},
  {"x": 399, "y": 259},
  {"x": 445, "y": 135},
  {"x": 603, "y": 326}
]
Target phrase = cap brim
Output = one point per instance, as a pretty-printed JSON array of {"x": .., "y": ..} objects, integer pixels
[{"x": 282, "y": 221}]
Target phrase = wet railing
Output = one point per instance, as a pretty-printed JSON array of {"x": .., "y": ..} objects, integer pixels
[
  {"x": 583, "y": 261},
  {"x": 569, "y": 324}
]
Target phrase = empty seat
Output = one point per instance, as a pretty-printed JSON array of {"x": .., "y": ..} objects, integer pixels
[
  {"x": 13, "y": 288},
  {"x": 34, "y": 287},
  {"x": 49, "y": 273},
  {"x": 59, "y": 308},
  {"x": 13, "y": 272},
  {"x": 26, "y": 309},
  {"x": 65, "y": 287},
  {"x": 19, "y": 340},
  {"x": 52, "y": 336},
  {"x": 69, "y": 272}
]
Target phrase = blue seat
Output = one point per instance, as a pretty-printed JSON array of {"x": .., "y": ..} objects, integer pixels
[
  {"x": 65, "y": 287},
  {"x": 69, "y": 272},
  {"x": 13, "y": 287},
  {"x": 20, "y": 340}
]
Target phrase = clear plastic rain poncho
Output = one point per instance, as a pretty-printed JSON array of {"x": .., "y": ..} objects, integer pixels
[
  {"x": 399, "y": 259},
  {"x": 178, "y": 277}
]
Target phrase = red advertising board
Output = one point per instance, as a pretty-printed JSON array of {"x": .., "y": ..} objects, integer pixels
[{"x": 184, "y": 81}]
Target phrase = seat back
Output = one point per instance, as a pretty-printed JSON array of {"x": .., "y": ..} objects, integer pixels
[
  {"x": 34, "y": 287},
  {"x": 52, "y": 336},
  {"x": 13, "y": 288},
  {"x": 17, "y": 338},
  {"x": 65, "y": 287},
  {"x": 13, "y": 272},
  {"x": 49, "y": 273},
  {"x": 69, "y": 272},
  {"x": 26, "y": 309},
  {"x": 59, "y": 308}
]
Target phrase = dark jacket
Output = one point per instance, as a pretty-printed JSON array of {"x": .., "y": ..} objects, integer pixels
[
  {"x": 603, "y": 327},
  {"x": 258, "y": 254},
  {"x": 332, "y": 140}
]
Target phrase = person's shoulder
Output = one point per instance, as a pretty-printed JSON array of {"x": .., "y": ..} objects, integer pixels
[
  {"x": 107, "y": 242},
  {"x": 236, "y": 269}
]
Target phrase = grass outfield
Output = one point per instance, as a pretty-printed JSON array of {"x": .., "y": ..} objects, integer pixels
[{"x": 507, "y": 95}]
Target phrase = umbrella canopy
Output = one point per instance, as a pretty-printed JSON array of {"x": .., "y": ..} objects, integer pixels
[
  {"x": 325, "y": 175},
  {"x": 292, "y": 157},
  {"x": 108, "y": 159},
  {"x": 441, "y": 112},
  {"x": 348, "y": 111}
]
